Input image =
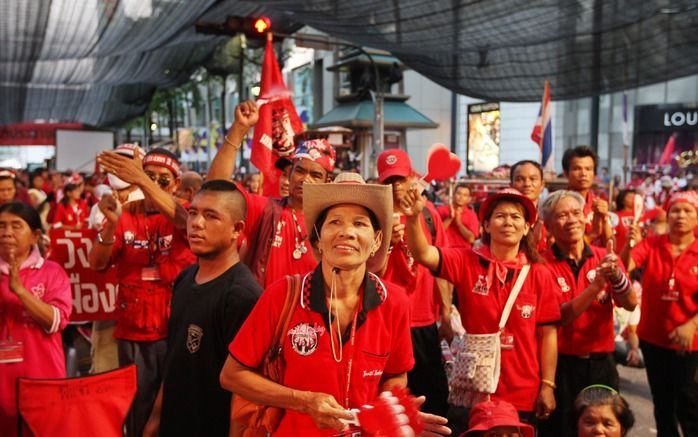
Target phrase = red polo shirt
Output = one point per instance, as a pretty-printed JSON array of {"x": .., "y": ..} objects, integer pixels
[
  {"x": 416, "y": 279},
  {"x": 141, "y": 240},
  {"x": 481, "y": 308},
  {"x": 67, "y": 215},
  {"x": 592, "y": 331},
  {"x": 660, "y": 316},
  {"x": 383, "y": 345},
  {"x": 288, "y": 230},
  {"x": 469, "y": 220}
]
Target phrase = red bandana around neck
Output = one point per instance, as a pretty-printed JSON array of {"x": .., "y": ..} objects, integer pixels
[{"x": 497, "y": 266}]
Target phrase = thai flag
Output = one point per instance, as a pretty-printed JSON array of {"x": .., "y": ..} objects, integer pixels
[{"x": 543, "y": 131}]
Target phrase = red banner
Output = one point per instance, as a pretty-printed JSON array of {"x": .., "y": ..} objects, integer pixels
[
  {"x": 94, "y": 293},
  {"x": 33, "y": 134}
]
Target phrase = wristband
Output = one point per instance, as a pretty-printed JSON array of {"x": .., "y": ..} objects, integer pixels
[
  {"x": 106, "y": 243},
  {"x": 227, "y": 140},
  {"x": 622, "y": 286},
  {"x": 549, "y": 383}
]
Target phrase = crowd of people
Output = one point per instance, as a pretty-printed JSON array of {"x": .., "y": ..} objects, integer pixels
[{"x": 349, "y": 289}]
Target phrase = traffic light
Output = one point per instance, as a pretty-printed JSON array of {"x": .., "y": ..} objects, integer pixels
[{"x": 252, "y": 27}]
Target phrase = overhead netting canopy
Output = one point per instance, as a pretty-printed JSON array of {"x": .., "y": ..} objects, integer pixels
[
  {"x": 99, "y": 61},
  {"x": 505, "y": 49}
]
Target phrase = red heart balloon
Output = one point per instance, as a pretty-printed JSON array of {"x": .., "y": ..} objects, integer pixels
[{"x": 441, "y": 163}]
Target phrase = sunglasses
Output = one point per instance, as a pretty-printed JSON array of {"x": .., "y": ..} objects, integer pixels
[{"x": 162, "y": 181}]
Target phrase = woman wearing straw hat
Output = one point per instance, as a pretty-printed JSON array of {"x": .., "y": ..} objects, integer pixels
[
  {"x": 348, "y": 336},
  {"x": 484, "y": 276}
]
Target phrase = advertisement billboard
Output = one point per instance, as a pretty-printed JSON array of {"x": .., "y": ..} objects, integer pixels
[{"x": 483, "y": 137}]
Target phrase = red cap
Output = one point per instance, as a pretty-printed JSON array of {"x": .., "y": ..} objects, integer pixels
[
  {"x": 512, "y": 194},
  {"x": 487, "y": 415},
  {"x": 393, "y": 162},
  {"x": 689, "y": 197}
]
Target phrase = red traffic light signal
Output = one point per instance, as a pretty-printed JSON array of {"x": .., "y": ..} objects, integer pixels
[{"x": 262, "y": 25}]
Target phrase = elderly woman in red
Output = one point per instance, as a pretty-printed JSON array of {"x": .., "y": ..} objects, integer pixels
[
  {"x": 35, "y": 305},
  {"x": 669, "y": 321},
  {"x": 349, "y": 336},
  {"x": 484, "y": 276}
]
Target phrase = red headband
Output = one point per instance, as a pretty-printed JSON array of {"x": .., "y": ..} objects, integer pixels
[
  {"x": 689, "y": 197},
  {"x": 163, "y": 161}
]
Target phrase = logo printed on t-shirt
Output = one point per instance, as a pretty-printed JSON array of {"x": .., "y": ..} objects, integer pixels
[
  {"x": 305, "y": 337},
  {"x": 38, "y": 290},
  {"x": 129, "y": 237},
  {"x": 526, "y": 310},
  {"x": 694, "y": 270},
  {"x": 194, "y": 335},
  {"x": 481, "y": 286},
  {"x": 563, "y": 284}
]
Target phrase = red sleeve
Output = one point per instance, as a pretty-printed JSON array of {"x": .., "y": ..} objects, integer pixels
[
  {"x": 59, "y": 216},
  {"x": 438, "y": 225},
  {"x": 548, "y": 299},
  {"x": 254, "y": 338},
  {"x": 401, "y": 358},
  {"x": 641, "y": 252},
  {"x": 471, "y": 222},
  {"x": 452, "y": 264},
  {"x": 118, "y": 238},
  {"x": 444, "y": 212},
  {"x": 179, "y": 258},
  {"x": 255, "y": 208}
]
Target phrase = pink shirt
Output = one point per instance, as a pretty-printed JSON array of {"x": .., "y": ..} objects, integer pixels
[{"x": 43, "y": 352}]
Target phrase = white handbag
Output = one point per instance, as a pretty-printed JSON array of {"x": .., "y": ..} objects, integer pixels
[{"x": 478, "y": 363}]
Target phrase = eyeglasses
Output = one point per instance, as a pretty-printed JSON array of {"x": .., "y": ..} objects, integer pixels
[{"x": 162, "y": 181}]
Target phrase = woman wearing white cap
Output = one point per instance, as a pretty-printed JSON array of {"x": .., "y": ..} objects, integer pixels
[{"x": 348, "y": 337}]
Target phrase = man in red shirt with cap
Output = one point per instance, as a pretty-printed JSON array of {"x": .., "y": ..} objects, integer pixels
[
  {"x": 277, "y": 240},
  {"x": 430, "y": 299},
  {"x": 140, "y": 238}
]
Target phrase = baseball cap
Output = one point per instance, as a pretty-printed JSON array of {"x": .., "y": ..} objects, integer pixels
[
  {"x": 393, "y": 162},
  {"x": 487, "y": 415}
]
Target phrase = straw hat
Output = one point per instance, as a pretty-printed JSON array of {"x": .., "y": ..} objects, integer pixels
[{"x": 350, "y": 188}]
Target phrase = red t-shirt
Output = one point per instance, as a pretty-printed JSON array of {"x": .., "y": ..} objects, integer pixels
[
  {"x": 661, "y": 316},
  {"x": 592, "y": 331},
  {"x": 481, "y": 308},
  {"x": 383, "y": 345},
  {"x": 141, "y": 241},
  {"x": 416, "y": 279},
  {"x": 69, "y": 215},
  {"x": 288, "y": 230},
  {"x": 453, "y": 235}
]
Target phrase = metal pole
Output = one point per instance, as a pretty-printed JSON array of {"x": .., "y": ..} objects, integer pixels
[
  {"x": 596, "y": 75},
  {"x": 378, "y": 121}
]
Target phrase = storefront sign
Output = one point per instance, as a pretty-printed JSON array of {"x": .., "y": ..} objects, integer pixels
[
  {"x": 94, "y": 293},
  {"x": 663, "y": 118}
]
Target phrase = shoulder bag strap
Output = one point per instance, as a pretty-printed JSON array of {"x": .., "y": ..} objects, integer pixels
[
  {"x": 285, "y": 316},
  {"x": 512, "y": 296}
]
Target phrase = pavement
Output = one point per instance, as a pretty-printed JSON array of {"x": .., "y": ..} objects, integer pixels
[{"x": 636, "y": 390}]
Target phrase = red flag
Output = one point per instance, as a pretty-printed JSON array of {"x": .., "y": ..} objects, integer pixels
[
  {"x": 668, "y": 150},
  {"x": 278, "y": 122}
]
